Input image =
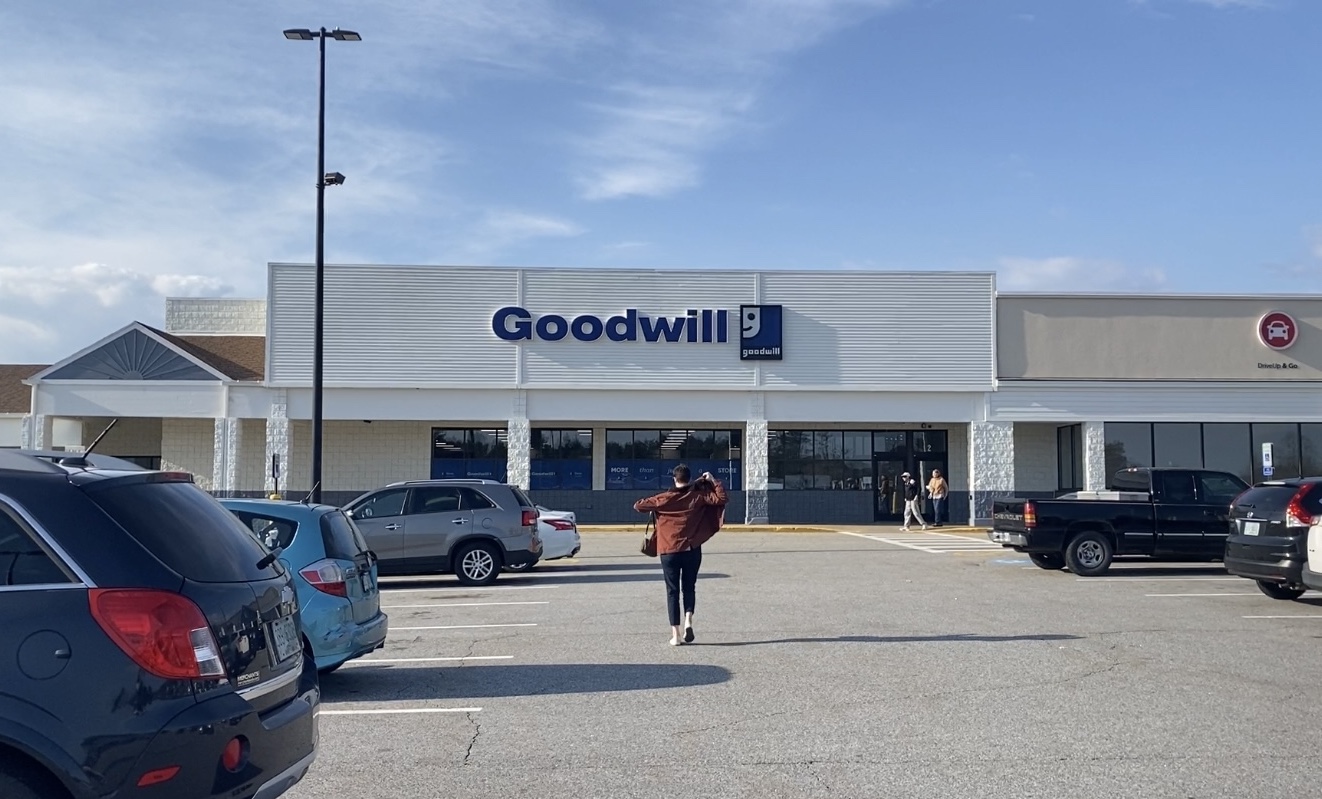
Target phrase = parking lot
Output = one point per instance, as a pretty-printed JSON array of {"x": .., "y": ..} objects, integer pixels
[{"x": 866, "y": 664}]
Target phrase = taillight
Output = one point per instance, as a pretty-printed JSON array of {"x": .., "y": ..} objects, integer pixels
[
  {"x": 327, "y": 576},
  {"x": 235, "y": 755},
  {"x": 163, "y": 632},
  {"x": 1295, "y": 514},
  {"x": 529, "y": 517},
  {"x": 1030, "y": 515},
  {"x": 561, "y": 524},
  {"x": 158, "y": 776}
]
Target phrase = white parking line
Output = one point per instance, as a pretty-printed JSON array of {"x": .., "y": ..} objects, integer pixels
[
  {"x": 1283, "y": 617},
  {"x": 463, "y": 605},
  {"x": 932, "y": 543},
  {"x": 427, "y": 660},
  {"x": 1155, "y": 579},
  {"x": 465, "y": 626},
  {"x": 395, "y": 711},
  {"x": 1216, "y": 594}
]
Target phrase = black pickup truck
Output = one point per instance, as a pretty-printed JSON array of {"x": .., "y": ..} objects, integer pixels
[{"x": 1165, "y": 513}]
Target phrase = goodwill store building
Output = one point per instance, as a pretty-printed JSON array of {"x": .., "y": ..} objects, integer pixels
[{"x": 808, "y": 392}]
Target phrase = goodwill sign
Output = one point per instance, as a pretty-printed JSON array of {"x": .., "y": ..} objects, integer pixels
[{"x": 760, "y": 328}]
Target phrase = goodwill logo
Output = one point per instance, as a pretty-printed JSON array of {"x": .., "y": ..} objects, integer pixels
[{"x": 760, "y": 336}]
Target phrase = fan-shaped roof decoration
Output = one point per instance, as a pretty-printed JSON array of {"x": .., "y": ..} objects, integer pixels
[{"x": 132, "y": 355}]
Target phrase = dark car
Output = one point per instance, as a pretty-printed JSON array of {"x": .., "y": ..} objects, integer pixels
[
  {"x": 1164, "y": 513},
  {"x": 150, "y": 645},
  {"x": 1269, "y": 534}
]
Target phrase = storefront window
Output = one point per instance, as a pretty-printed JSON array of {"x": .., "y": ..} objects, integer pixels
[
  {"x": 1128, "y": 445},
  {"x": 1284, "y": 439},
  {"x": 1178, "y": 445},
  {"x": 643, "y": 459},
  {"x": 841, "y": 460},
  {"x": 561, "y": 459},
  {"x": 1311, "y": 434},
  {"x": 1228, "y": 448},
  {"x": 1069, "y": 457},
  {"x": 468, "y": 453}
]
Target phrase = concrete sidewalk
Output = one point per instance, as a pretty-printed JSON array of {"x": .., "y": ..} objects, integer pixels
[{"x": 790, "y": 528}]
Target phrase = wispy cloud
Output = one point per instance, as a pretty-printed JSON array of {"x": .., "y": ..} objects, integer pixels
[
  {"x": 692, "y": 81},
  {"x": 1074, "y": 274}
]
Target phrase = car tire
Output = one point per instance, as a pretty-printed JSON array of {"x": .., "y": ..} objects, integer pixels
[
  {"x": 1279, "y": 591},
  {"x": 21, "y": 780},
  {"x": 477, "y": 563},
  {"x": 1089, "y": 554},
  {"x": 1051, "y": 561}
]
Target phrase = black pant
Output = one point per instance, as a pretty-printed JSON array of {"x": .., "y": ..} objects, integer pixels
[{"x": 681, "y": 571}]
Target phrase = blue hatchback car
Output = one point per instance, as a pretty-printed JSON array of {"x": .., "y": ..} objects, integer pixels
[{"x": 334, "y": 571}]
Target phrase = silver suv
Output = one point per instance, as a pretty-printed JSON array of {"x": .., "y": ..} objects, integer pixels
[{"x": 474, "y": 528}]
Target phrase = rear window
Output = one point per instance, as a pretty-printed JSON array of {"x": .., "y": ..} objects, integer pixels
[
  {"x": 271, "y": 532},
  {"x": 522, "y": 497},
  {"x": 1272, "y": 500},
  {"x": 341, "y": 537},
  {"x": 188, "y": 530}
]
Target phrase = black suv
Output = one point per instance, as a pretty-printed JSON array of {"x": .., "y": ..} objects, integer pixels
[
  {"x": 1269, "y": 534},
  {"x": 149, "y": 646}
]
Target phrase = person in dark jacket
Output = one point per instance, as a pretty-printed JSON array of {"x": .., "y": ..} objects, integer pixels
[{"x": 687, "y": 516}]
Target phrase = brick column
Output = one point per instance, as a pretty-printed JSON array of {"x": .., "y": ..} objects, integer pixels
[
  {"x": 277, "y": 444},
  {"x": 991, "y": 467},
  {"x": 1094, "y": 456},
  {"x": 225, "y": 456},
  {"x": 37, "y": 429},
  {"x": 755, "y": 471},
  {"x": 518, "y": 469}
]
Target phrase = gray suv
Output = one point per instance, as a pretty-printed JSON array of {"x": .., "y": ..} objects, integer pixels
[{"x": 474, "y": 528}]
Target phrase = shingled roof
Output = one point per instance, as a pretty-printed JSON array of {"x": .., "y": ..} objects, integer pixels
[
  {"x": 15, "y": 397},
  {"x": 237, "y": 357}
]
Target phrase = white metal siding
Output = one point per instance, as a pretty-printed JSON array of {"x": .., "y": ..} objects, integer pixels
[
  {"x": 883, "y": 330},
  {"x": 431, "y": 327},
  {"x": 1118, "y": 402},
  {"x": 635, "y": 364},
  {"x": 392, "y": 325}
]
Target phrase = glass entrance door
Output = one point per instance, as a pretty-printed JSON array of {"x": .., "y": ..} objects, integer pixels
[
  {"x": 923, "y": 469},
  {"x": 889, "y": 503}
]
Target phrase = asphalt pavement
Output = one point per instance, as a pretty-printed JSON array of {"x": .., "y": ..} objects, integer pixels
[{"x": 868, "y": 665}]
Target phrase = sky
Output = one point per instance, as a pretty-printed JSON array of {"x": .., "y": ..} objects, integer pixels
[{"x": 155, "y": 149}]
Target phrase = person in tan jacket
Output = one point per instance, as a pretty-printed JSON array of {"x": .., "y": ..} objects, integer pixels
[{"x": 687, "y": 516}]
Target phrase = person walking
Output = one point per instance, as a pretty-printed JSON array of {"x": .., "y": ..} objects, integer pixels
[
  {"x": 939, "y": 490},
  {"x": 913, "y": 497},
  {"x": 687, "y": 516}
]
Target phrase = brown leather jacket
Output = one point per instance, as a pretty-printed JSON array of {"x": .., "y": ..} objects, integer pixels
[{"x": 686, "y": 518}]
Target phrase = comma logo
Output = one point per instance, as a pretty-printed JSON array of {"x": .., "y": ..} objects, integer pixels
[{"x": 761, "y": 333}]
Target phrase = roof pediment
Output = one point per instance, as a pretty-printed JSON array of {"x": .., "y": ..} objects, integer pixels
[{"x": 136, "y": 353}]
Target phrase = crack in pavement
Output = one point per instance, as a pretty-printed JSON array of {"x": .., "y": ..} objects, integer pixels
[
  {"x": 818, "y": 777},
  {"x": 732, "y": 723},
  {"x": 477, "y": 731}
]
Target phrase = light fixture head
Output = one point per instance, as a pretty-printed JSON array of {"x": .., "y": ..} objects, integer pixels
[
  {"x": 345, "y": 36},
  {"x": 300, "y": 34},
  {"x": 334, "y": 179}
]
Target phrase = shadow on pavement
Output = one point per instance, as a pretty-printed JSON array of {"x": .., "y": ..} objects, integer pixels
[
  {"x": 901, "y": 639},
  {"x": 387, "y": 683},
  {"x": 1142, "y": 569}
]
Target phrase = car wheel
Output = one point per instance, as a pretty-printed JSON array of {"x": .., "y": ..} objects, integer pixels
[
  {"x": 19, "y": 780},
  {"x": 1051, "y": 561},
  {"x": 1088, "y": 554},
  {"x": 1279, "y": 591},
  {"x": 477, "y": 564}
]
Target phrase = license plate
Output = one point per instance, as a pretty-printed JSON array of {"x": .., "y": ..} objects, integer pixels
[
  {"x": 1251, "y": 528},
  {"x": 284, "y": 639}
]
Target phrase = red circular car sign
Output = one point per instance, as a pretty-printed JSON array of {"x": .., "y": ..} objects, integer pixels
[{"x": 1278, "y": 330}]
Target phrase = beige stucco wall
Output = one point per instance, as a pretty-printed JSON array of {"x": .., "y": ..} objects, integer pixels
[{"x": 1152, "y": 338}]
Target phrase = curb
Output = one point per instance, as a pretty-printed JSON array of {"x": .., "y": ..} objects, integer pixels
[{"x": 772, "y": 528}]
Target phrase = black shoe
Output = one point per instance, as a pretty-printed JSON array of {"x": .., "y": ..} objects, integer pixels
[{"x": 688, "y": 635}]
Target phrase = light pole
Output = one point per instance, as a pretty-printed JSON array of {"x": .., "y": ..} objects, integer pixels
[{"x": 323, "y": 180}]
